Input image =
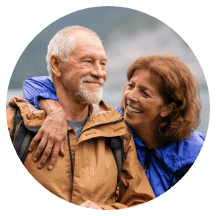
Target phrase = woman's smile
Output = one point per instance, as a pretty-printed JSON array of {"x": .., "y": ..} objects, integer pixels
[{"x": 132, "y": 110}]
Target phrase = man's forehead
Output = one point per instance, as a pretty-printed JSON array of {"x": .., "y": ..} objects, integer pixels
[
  {"x": 92, "y": 50},
  {"x": 103, "y": 57},
  {"x": 84, "y": 36}
]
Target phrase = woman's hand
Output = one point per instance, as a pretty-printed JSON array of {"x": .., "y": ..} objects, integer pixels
[
  {"x": 90, "y": 204},
  {"x": 52, "y": 134}
]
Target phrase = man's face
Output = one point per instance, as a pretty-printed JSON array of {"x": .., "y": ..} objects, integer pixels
[{"x": 84, "y": 75}]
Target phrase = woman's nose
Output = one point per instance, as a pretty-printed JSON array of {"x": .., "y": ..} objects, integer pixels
[{"x": 132, "y": 95}]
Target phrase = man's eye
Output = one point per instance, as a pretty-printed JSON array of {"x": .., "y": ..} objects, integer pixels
[
  {"x": 103, "y": 63},
  {"x": 87, "y": 60}
]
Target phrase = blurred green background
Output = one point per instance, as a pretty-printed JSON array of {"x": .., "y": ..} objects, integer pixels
[
  {"x": 18, "y": 18},
  {"x": 126, "y": 34}
]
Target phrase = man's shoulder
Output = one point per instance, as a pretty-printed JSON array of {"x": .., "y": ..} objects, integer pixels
[
  {"x": 105, "y": 107},
  {"x": 105, "y": 111},
  {"x": 30, "y": 114}
]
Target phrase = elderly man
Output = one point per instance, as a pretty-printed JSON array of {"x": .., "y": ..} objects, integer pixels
[{"x": 87, "y": 174}]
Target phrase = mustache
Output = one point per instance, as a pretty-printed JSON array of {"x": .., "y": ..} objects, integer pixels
[{"x": 101, "y": 81}]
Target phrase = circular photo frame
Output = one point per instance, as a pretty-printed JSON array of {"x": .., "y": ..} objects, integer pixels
[{"x": 128, "y": 29}]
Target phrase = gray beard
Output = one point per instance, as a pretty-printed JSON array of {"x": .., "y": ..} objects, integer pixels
[{"x": 86, "y": 96}]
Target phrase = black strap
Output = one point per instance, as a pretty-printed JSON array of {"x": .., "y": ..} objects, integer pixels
[
  {"x": 17, "y": 119},
  {"x": 147, "y": 158},
  {"x": 19, "y": 130},
  {"x": 21, "y": 136},
  {"x": 24, "y": 149},
  {"x": 117, "y": 147}
]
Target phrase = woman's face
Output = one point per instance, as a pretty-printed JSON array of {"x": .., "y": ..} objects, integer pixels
[{"x": 142, "y": 101}]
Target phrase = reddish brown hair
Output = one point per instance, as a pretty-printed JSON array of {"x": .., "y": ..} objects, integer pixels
[{"x": 176, "y": 84}]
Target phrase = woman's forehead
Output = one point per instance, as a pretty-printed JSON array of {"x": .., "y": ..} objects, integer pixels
[{"x": 144, "y": 79}]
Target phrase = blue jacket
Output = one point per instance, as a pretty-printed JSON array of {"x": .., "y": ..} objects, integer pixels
[
  {"x": 162, "y": 165},
  {"x": 36, "y": 87}
]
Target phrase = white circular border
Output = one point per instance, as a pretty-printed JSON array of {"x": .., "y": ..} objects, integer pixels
[{"x": 152, "y": 13}]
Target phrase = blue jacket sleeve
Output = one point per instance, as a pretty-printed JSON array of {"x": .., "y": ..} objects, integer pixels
[
  {"x": 118, "y": 108},
  {"x": 36, "y": 87}
]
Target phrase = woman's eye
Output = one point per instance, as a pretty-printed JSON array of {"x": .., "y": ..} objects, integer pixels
[
  {"x": 129, "y": 85},
  {"x": 145, "y": 94}
]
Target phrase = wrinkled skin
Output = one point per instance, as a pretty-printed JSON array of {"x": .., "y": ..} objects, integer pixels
[{"x": 51, "y": 136}]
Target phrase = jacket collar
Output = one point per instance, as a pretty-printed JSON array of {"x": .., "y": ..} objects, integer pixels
[
  {"x": 176, "y": 154},
  {"x": 99, "y": 117}
]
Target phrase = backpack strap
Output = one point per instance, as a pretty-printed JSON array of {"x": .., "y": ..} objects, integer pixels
[
  {"x": 117, "y": 147},
  {"x": 16, "y": 120},
  {"x": 179, "y": 174},
  {"x": 21, "y": 136}
]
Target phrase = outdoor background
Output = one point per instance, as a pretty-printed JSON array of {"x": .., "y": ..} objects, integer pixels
[
  {"x": 126, "y": 34},
  {"x": 18, "y": 18}
]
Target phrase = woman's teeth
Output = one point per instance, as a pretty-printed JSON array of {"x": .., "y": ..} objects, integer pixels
[{"x": 132, "y": 110}]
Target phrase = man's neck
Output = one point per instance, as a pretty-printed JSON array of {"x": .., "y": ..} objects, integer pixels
[{"x": 75, "y": 110}]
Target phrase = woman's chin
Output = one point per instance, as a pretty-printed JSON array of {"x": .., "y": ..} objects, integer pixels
[{"x": 129, "y": 121}]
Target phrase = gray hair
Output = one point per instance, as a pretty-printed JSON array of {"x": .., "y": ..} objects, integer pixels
[{"x": 62, "y": 44}]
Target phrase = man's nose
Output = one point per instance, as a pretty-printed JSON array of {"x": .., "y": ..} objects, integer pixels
[{"x": 98, "y": 71}]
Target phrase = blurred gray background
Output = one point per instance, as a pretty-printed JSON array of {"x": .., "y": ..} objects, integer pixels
[{"x": 126, "y": 34}]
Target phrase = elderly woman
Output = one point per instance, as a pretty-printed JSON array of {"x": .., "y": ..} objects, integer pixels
[{"x": 161, "y": 105}]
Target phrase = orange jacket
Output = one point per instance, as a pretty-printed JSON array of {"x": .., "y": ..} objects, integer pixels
[{"x": 95, "y": 170}]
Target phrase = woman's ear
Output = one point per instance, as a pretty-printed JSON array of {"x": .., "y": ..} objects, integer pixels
[
  {"x": 168, "y": 109},
  {"x": 55, "y": 62}
]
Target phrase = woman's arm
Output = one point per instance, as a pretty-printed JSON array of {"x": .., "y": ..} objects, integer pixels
[
  {"x": 38, "y": 87},
  {"x": 52, "y": 135}
]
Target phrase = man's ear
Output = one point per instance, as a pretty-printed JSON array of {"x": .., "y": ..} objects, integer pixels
[
  {"x": 55, "y": 63},
  {"x": 168, "y": 109}
]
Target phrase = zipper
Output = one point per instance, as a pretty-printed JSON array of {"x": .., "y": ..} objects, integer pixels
[
  {"x": 72, "y": 171},
  {"x": 161, "y": 161}
]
